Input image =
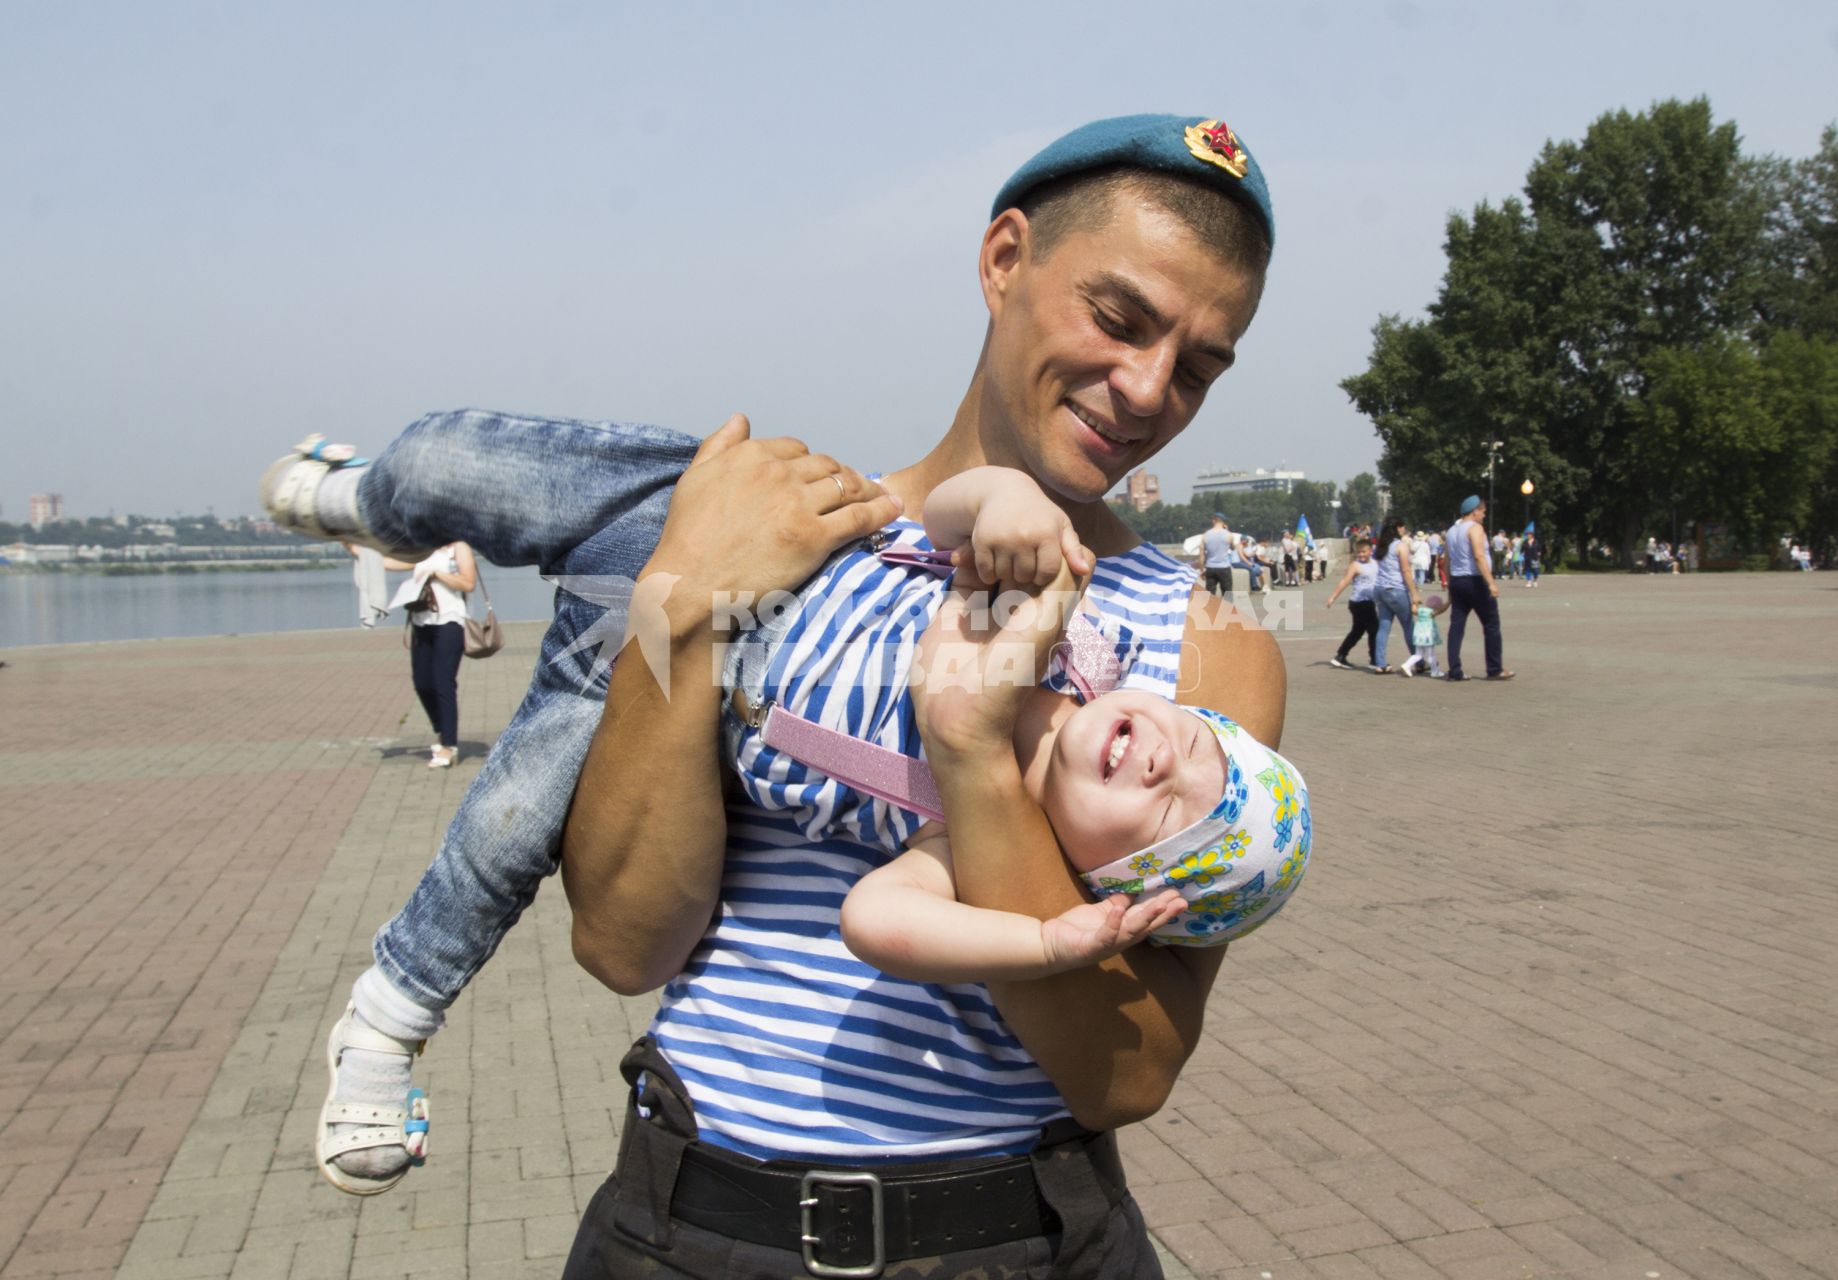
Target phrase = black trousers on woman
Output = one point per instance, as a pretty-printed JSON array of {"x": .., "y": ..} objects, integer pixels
[
  {"x": 1365, "y": 623},
  {"x": 434, "y": 655}
]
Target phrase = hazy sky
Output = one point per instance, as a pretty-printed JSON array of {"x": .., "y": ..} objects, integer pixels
[{"x": 225, "y": 225}]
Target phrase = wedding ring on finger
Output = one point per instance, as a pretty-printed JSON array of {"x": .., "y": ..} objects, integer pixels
[{"x": 842, "y": 492}]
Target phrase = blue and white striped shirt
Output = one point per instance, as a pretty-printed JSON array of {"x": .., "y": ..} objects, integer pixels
[{"x": 789, "y": 1046}]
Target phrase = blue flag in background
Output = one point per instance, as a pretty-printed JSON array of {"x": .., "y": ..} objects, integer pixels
[{"x": 1308, "y": 539}]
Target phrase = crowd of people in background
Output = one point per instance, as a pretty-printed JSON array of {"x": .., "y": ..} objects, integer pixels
[
  {"x": 1292, "y": 559},
  {"x": 1661, "y": 557},
  {"x": 1383, "y": 578}
]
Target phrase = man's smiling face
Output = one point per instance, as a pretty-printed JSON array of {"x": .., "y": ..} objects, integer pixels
[{"x": 1103, "y": 351}]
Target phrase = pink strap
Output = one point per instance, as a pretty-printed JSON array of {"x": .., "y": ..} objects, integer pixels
[
  {"x": 883, "y": 774},
  {"x": 1091, "y": 665},
  {"x": 933, "y": 562}
]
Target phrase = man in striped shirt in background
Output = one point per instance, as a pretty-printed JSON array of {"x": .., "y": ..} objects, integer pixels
[{"x": 794, "y": 1110}]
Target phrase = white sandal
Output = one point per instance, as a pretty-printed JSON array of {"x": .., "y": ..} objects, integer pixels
[
  {"x": 288, "y": 492},
  {"x": 405, "y": 1126}
]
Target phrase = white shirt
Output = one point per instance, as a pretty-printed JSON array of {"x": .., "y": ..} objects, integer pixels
[{"x": 449, "y": 605}]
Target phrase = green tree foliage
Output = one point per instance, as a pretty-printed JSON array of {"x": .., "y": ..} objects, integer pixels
[
  {"x": 1617, "y": 330},
  {"x": 1360, "y": 503}
]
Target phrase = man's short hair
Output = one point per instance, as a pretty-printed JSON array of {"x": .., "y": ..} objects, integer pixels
[
  {"x": 1361, "y": 542},
  {"x": 1085, "y": 201}
]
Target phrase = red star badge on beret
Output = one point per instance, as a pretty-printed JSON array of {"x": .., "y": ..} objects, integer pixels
[{"x": 1214, "y": 142}]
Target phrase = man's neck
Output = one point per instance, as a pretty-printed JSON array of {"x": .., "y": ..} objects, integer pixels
[{"x": 969, "y": 444}]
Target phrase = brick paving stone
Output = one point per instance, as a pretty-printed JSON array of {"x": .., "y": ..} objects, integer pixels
[
  {"x": 158, "y": 875},
  {"x": 1545, "y": 1030}
]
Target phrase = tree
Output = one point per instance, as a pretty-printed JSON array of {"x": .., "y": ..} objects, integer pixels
[
  {"x": 1610, "y": 330},
  {"x": 1360, "y": 502},
  {"x": 1315, "y": 499}
]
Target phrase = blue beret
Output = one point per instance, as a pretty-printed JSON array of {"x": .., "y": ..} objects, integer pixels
[
  {"x": 1470, "y": 502},
  {"x": 1188, "y": 145}
]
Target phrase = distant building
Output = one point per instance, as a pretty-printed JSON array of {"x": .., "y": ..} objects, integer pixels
[
  {"x": 1144, "y": 490},
  {"x": 40, "y": 553},
  {"x": 1257, "y": 481},
  {"x": 44, "y": 509}
]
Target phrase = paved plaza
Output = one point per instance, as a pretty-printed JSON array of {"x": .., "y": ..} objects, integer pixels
[{"x": 1558, "y": 998}]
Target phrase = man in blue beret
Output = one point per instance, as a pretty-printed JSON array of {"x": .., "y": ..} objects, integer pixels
[
  {"x": 1120, "y": 268},
  {"x": 1472, "y": 590},
  {"x": 795, "y": 1111}
]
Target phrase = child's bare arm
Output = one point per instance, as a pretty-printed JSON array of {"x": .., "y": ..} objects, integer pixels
[
  {"x": 1005, "y": 525},
  {"x": 904, "y": 919}
]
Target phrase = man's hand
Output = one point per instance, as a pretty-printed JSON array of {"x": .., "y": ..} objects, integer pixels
[
  {"x": 646, "y": 835},
  {"x": 759, "y": 515}
]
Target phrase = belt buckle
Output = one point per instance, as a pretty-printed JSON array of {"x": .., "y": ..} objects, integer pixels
[{"x": 807, "y": 1205}]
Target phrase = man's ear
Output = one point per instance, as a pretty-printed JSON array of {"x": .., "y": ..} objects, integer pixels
[{"x": 1005, "y": 248}]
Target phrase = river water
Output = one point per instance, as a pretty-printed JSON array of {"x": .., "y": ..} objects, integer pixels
[{"x": 65, "y": 608}]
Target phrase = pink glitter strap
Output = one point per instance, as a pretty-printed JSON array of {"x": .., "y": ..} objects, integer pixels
[
  {"x": 1087, "y": 659},
  {"x": 874, "y": 770},
  {"x": 933, "y": 562}
]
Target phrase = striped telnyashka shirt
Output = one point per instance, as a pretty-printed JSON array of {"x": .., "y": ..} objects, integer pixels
[{"x": 789, "y": 1046}]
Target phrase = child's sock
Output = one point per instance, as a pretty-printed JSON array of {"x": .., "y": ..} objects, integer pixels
[
  {"x": 380, "y": 1079},
  {"x": 384, "y": 1007}
]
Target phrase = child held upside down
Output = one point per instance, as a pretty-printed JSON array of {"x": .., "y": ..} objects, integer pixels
[
  {"x": 1148, "y": 798},
  {"x": 1205, "y": 855}
]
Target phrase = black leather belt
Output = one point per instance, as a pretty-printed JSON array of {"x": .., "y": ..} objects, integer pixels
[{"x": 852, "y": 1222}]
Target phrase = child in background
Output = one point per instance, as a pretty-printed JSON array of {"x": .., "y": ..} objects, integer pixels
[{"x": 1425, "y": 635}]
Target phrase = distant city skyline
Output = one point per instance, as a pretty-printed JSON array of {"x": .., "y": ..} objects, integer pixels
[{"x": 225, "y": 227}]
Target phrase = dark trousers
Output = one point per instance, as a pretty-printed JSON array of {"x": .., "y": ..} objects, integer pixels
[
  {"x": 1219, "y": 581},
  {"x": 1365, "y": 623},
  {"x": 434, "y": 661},
  {"x": 628, "y": 1229},
  {"x": 1468, "y": 594}
]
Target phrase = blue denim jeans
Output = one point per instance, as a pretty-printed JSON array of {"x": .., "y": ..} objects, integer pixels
[
  {"x": 1468, "y": 594},
  {"x": 580, "y": 499},
  {"x": 1391, "y": 602}
]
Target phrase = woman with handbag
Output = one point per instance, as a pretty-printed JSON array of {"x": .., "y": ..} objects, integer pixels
[{"x": 437, "y": 629}]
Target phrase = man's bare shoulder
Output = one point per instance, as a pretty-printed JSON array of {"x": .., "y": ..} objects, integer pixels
[{"x": 1230, "y": 663}]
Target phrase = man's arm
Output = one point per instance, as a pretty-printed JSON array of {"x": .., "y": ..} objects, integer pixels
[
  {"x": 1112, "y": 1037},
  {"x": 1477, "y": 542},
  {"x": 646, "y": 834}
]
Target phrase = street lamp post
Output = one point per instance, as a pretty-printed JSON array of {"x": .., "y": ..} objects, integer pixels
[
  {"x": 1493, "y": 453},
  {"x": 1335, "y": 504},
  {"x": 1526, "y": 489}
]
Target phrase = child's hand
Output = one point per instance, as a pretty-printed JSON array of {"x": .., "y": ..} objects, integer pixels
[
  {"x": 981, "y": 657},
  {"x": 1094, "y": 931},
  {"x": 1020, "y": 537}
]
